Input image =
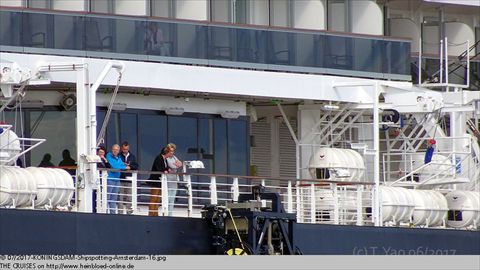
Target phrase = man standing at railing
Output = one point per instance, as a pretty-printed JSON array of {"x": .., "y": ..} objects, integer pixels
[
  {"x": 159, "y": 165},
  {"x": 129, "y": 159},
  {"x": 113, "y": 181}
]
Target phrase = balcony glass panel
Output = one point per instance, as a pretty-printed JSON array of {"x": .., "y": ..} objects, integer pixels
[
  {"x": 11, "y": 28},
  {"x": 99, "y": 34},
  {"x": 206, "y": 43},
  {"x": 37, "y": 30}
]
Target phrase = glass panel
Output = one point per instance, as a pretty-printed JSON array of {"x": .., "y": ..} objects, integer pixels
[
  {"x": 319, "y": 50},
  {"x": 128, "y": 131},
  {"x": 39, "y": 3},
  {"x": 162, "y": 8},
  {"x": 398, "y": 57},
  {"x": 221, "y": 43},
  {"x": 58, "y": 128},
  {"x": 280, "y": 13},
  {"x": 220, "y": 146},
  {"x": 241, "y": 11},
  {"x": 152, "y": 132},
  {"x": 336, "y": 15},
  {"x": 198, "y": 42},
  {"x": 221, "y": 154},
  {"x": 101, "y": 6},
  {"x": 237, "y": 147},
  {"x": 338, "y": 52},
  {"x": 10, "y": 28},
  {"x": 69, "y": 32},
  {"x": 182, "y": 131},
  {"x": 280, "y": 48},
  {"x": 205, "y": 144},
  {"x": 159, "y": 38},
  {"x": 305, "y": 47},
  {"x": 36, "y": 31},
  {"x": 251, "y": 45},
  {"x": 368, "y": 55},
  {"x": 220, "y": 10},
  {"x": 431, "y": 37},
  {"x": 99, "y": 34},
  {"x": 191, "y": 41},
  {"x": 113, "y": 131},
  {"x": 206, "y": 155},
  {"x": 128, "y": 36}
]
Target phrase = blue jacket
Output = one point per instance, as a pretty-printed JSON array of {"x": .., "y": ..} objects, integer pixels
[{"x": 115, "y": 163}]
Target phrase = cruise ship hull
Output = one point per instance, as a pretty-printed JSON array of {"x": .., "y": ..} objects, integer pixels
[{"x": 49, "y": 232}]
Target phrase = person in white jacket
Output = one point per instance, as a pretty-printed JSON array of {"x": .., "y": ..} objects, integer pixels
[{"x": 174, "y": 164}]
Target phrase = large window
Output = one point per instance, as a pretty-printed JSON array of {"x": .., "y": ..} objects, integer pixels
[
  {"x": 39, "y": 4},
  {"x": 162, "y": 8},
  {"x": 59, "y": 130},
  {"x": 281, "y": 13},
  {"x": 102, "y": 6},
  {"x": 231, "y": 11},
  {"x": 431, "y": 35},
  {"x": 220, "y": 143},
  {"x": 337, "y": 16}
]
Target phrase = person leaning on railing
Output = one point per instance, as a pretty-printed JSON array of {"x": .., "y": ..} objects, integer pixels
[
  {"x": 173, "y": 164},
  {"x": 159, "y": 165}
]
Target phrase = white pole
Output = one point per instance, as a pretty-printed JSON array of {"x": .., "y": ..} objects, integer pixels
[
  {"x": 446, "y": 60},
  {"x": 187, "y": 178},
  {"x": 376, "y": 146},
  {"x": 164, "y": 195},
  {"x": 104, "y": 192},
  {"x": 85, "y": 175},
  {"x": 213, "y": 190},
  {"x": 313, "y": 206},
  {"x": 420, "y": 62},
  {"x": 134, "y": 193},
  {"x": 441, "y": 61},
  {"x": 289, "y": 197},
  {"x": 235, "y": 189}
]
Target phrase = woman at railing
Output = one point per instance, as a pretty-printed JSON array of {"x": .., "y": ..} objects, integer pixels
[
  {"x": 159, "y": 165},
  {"x": 173, "y": 164}
]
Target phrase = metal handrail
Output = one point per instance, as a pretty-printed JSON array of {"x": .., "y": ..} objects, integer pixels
[{"x": 281, "y": 179}]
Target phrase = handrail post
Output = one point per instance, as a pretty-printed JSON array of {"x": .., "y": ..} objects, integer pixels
[
  {"x": 134, "y": 193},
  {"x": 376, "y": 211},
  {"x": 359, "y": 205},
  {"x": 164, "y": 195},
  {"x": 235, "y": 189},
  {"x": 103, "y": 192},
  {"x": 313, "y": 209},
  {"x": 336, "y": 208},
  {"x": 213, "y": 190},
  {"x": 299, "y": 203},
  {"x": 188, "y": 178},
  {"x": 289, "y": 197}
]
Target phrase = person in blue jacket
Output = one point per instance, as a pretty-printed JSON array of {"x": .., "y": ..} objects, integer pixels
[
  {"x": 430, "y": 149},
  {"x": 113, "y": 180}
]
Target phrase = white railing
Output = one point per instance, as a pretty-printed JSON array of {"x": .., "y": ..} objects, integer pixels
[
  {"x": 448, "y": 167},
  {"x": 329, "y": 202}
]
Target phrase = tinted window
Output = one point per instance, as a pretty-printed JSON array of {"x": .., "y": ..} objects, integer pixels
[{"x": 152, "y": 137}]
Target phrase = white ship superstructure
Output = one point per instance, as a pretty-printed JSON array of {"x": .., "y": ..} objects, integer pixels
[{"x": 338, "y": 122}]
